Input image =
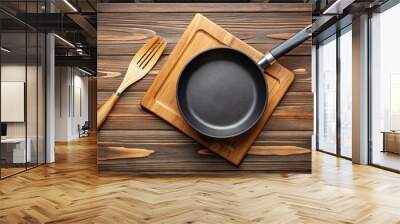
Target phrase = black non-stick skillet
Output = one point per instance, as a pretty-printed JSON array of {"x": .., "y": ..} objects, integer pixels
[{"x": 222, "y": 93}]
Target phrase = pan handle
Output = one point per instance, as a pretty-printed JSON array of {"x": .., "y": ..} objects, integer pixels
[{"x": 285, "y": 47}]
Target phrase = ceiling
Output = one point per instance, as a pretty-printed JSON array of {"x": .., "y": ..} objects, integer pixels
[
  {"x": 72, "y": 20},
  {"x": 76, "y": 22},
  {"x": 39, "y": 6}
]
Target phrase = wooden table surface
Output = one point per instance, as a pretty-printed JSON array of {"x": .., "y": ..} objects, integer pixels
[{"x": 123, "y": 28}]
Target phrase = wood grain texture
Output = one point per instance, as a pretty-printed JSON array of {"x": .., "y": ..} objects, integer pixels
[
  {"x": 253, "y": 28},
  {"x": 200, "y": 35},
  {"x": 266, "y": 151},
  {"x": 130, "y": 126},
  {"x": 123, "y": 153},
  {"x": 206, "y": 7}
]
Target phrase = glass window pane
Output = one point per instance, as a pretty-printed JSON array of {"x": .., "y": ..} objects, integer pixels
[
  {"x": 32, "y": 88},
  {"x": 385, "y": 88},
  {"x": 31, "y": 98},
  {"x": 41, "y": 98},
  {"x": 22, "y": 86},
  {"x": 13, "y": 89},
  {"x": 327, "y": 96},
  {"x": 346, "y": 92}
]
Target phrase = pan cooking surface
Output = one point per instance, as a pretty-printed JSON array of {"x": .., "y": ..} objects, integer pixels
[
  {"x": 211, "y": 90},
  {"x": 221, "y": 93}
]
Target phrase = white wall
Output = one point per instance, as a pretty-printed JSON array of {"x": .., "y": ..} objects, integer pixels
[
  {"x": 71, "y": 102},
  {"x": 62, "y": 80},
  {"x": 33, "y": 126},
  {"x": 80, "y": 110},
  {"x": 14, "y": 73}
]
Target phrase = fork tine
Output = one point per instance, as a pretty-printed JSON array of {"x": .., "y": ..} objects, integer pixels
[
  {"x": 150, "y": 56},
  {"x": 142, "y": 51},
  {"x": 155, "y": 56},
  {"x": 149, "y": 52}
]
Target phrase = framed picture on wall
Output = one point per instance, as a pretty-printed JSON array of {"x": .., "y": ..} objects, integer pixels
[{"x": 12, "y": 101}]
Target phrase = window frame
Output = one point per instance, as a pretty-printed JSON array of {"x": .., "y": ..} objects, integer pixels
[
  {"x": 36, "y": 32},
  {"x": 339, "y": 32},
  {"x": 380, "y": 9}
]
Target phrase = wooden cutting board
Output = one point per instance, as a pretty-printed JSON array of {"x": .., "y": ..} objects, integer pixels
[{"x": 200, "y": 35}]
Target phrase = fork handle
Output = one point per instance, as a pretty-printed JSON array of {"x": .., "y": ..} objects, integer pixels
[{"x": 105, "y": 109}]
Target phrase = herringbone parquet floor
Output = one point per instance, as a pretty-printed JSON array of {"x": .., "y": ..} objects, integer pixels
[{"x": 71, "y": 191}]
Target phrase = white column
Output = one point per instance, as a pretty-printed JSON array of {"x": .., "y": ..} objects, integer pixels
[
  {"x": 50, "y": 100},
  {"x": 314, "y": 90},
  {"x": 50, "y": 93},
  {"x": 360, "y": 90}
]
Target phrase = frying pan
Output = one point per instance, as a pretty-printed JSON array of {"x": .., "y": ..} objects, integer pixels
[{"x": 222, "y": 93}]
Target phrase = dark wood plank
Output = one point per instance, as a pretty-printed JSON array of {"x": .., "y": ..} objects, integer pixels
[
  {"x": 157, "y": 138},
  {"x": 139, "y": 26},
  {"x": 204, "y": 7},
  {"x": 187, "y": 158}
]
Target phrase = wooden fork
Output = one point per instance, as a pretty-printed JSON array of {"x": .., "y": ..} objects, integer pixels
[{"x": 143, "y": 61}]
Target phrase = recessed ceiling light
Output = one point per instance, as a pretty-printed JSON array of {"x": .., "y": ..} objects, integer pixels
[
  {"x": 84, "y": 71},
  {"x": 64, "y": 40},
  {"x": 5, "y": 50},
  {"x": 338, "y": 6},
  {"x": 70, "y": 5}
]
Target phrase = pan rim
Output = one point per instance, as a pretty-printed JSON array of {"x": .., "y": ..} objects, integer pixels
[{"x": 237, "y": 133}]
